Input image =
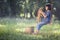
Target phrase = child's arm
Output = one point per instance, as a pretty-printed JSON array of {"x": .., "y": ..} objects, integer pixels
[{"x": 43, "y": 14}]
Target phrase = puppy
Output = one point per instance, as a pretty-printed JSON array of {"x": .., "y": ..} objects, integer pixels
[{"x": 39, "y": 14}]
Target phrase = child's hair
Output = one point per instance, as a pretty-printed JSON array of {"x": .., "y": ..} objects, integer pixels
[{"x": 49, "y": 6}]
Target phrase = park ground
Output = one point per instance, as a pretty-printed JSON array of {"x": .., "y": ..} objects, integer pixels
[{"x": 13, "y": 29}]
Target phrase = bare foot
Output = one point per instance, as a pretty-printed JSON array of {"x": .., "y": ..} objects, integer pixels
[{"x": 36, "y": 32}]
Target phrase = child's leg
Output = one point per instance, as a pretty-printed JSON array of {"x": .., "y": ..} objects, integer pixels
[{"x": 39, "y": 25}]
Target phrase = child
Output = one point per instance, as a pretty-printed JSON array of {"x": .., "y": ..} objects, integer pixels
[{"x": 46, "y": 19}]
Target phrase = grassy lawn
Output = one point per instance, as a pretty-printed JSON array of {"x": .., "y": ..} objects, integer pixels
[{"x": 13, "y": 29}]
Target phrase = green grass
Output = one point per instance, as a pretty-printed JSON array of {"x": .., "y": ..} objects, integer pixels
[{"x": 13, "y": 29}]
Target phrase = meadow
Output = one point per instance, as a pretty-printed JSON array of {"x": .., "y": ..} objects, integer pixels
[{"x": 13, "y": 29}]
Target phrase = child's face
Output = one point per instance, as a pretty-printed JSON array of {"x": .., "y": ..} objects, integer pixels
[{"x": 46, "y": 8}]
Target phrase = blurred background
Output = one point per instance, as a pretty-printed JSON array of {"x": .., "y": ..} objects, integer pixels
[
  {"x": 26, "y": 8},
  {"x": 16, "y": 15}
]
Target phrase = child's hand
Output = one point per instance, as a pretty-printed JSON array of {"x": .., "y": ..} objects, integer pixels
[{"x": 44, "y": 17}]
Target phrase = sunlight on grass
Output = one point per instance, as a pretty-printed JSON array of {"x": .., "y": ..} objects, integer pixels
[
  {"x": 13, "y": 29},
  {"x": 2, "y": 25},
  {"x": 56, "y": 31},
  {"x": 20, "y": 30}
]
